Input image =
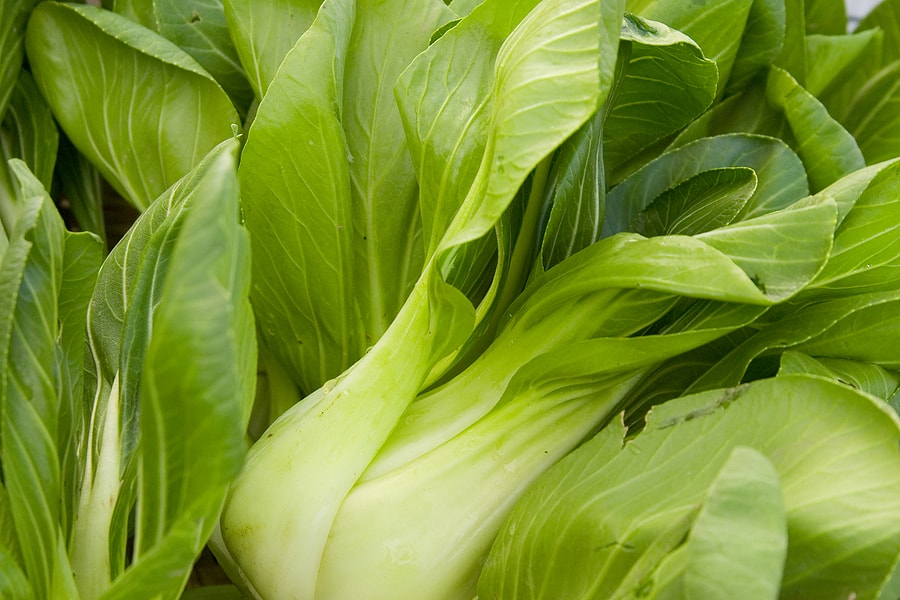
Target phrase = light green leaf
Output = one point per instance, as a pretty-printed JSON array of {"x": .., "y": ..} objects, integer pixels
[
  {"x": 308, "y": 208},
  {"x": 780, "y": 174},
  {"x": 264, "y": 31},
  {"x": 860, "y": 327},
  {"x": 666, "y": 83},
  {"x": 832, "y": 59},
  {"x": 738, "y": 542},
  {"x": 527, "y": 123},
  {"x": 30, "y": 276},
  {"x": 866, "y": 253},
  {"x": 125, "y": 97},
  {"x": 827, "y": 150},
  {"x": 869, "y": 378},
  {"x": 622, "y": 498}
]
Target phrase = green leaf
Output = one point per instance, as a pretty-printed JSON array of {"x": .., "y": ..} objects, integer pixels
[
  {"x": 139, "y": 11},
  {"x": 761, "y": 43},
  {"x": 129, "y": 288},
  {"x": 716, "y": 26},
  {"x": 874, "y": 115},
  {"x": 527, "y": 122},
  {"x": 264, "y": 31},
  {"x": 705, "y": 201},
  {"x": 867, "y": 377},
  {"x": 828, "y": 151},
  {"x": 13, "y": 583},
  {"x": 125, "y": 97},
  {"x": 199, "y": 28},
  {"x": 197, "y": 384},
  {"x": 738, "y": 542},
  {"x": 352, "y": 220},
  {"x": 866, "y": 253},
  {"x": 12, "y": 32},
  {"x": 30, "y": 280},
  {"x": 82, "y": 256},
  {"x": 666, "y": 83},
  {"x": 859, "y": 328},
  {"x": 832, "y": 59},
  {"x": 885, "y": 16},
  {"x": 780, "y": 174},
  {"x": 625, "y": 498},
  {"x": 315, "y": 340},
  {"x": 793, "y": 53},
  {"x": 825, "y": 16},
  {"x": 27, "y": 132},
  {"x": 576, "y": 193}
]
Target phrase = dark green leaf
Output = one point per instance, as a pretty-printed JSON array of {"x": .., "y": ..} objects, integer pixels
[
  {"x": 27, "y": 132},
  {"x": 761, "y": 43},
  {"x": 705, "y": 201},
  {"x": 12, "y": 32},
  {"x": 666, "y": 83},
  {"x": 780, "y": 174}
]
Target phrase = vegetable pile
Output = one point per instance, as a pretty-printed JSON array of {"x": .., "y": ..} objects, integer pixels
[{"x": 502, "y": 299}]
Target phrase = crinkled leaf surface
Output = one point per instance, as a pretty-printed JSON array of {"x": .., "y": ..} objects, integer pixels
[
  {"x": 125, "y": 97},
  {"x": 629, "y": 499}
]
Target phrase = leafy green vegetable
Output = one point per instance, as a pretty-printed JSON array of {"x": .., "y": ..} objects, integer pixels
[{"x": 480, "y": 231}]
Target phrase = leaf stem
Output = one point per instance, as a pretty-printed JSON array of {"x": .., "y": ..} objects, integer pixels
[
  {"x": 90, "y": 540},
  {"x": 523, "y": 252}
]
